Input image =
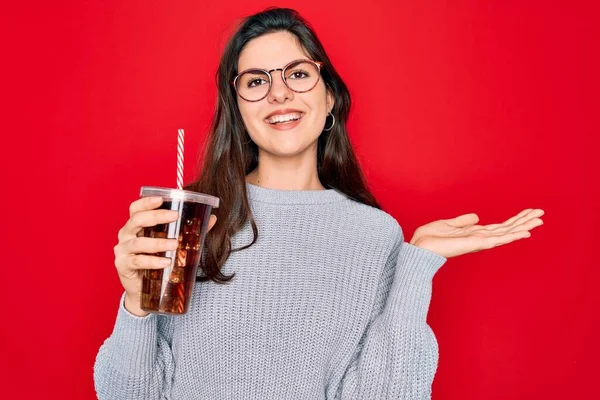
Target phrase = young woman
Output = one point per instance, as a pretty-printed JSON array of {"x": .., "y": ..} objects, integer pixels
[{"x": 308, "y": 290}]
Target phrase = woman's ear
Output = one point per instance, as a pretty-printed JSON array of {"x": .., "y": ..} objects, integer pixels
[{"x": 330, "y": 99}]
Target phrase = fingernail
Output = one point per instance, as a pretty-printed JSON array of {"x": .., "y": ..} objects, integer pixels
[{"x": 165, "y": 262}]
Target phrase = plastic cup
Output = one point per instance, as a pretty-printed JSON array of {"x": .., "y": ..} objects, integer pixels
[{"x": 169, "y": 290}]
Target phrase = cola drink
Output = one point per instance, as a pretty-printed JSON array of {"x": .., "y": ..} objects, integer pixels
[{"x": 169, "y": 290}]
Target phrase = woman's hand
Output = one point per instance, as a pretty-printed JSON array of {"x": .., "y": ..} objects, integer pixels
[
  {"x": 133, "y": 253},
  {"x": 458, "y": 236}
]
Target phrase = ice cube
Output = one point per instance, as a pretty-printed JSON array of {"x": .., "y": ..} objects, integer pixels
[{"x": 177, "y": 275}]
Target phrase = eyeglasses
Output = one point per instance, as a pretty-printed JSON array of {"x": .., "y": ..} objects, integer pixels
[{"x": 299, "y": 76}]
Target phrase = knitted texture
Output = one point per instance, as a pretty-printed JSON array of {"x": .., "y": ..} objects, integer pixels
[{"x": 329, "y": 303}]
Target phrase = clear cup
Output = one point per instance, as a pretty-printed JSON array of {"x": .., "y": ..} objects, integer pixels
[{"x": 169, "y": 290}]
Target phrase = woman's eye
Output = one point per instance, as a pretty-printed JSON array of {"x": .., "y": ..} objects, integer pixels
[
  {"x": 255, "y": 82},
  {"x": 298, "y": 75}
]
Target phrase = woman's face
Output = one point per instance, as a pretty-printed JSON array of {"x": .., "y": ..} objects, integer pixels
[{"x": 275, "y": 50}]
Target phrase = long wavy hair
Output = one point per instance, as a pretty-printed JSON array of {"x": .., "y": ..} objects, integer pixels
[{"x": 230, "y": 154}]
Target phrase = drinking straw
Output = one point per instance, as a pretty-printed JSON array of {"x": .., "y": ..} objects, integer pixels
[{"x": 180, "y": 159}]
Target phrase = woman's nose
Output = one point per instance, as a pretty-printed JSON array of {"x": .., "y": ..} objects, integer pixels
[{"x": 279, "y": 91}]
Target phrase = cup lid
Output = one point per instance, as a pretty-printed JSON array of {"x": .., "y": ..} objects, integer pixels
[{"x": 176, "y": 194}]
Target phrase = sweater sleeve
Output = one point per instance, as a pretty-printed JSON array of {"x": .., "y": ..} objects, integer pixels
[
  {"x": 398, "y": 354},
  {"x": 136, "y": 361}
]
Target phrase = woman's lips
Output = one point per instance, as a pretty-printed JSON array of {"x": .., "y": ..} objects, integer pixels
[{"x": 284, "y": 126}]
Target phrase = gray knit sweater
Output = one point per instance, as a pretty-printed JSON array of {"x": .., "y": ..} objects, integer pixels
[{"x": 329, "y": 303}]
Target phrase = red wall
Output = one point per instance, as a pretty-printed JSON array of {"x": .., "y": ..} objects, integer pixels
[{"x": 488, "y": 107}]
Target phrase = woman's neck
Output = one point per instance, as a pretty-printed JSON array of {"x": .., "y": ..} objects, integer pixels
[{"x": 283, "y": 182}]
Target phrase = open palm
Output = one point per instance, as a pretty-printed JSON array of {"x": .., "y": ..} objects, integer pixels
[{"x": 458, "y": 236}]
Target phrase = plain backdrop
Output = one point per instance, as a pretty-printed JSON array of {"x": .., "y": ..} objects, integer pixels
[{"x": 486, "y": 107}]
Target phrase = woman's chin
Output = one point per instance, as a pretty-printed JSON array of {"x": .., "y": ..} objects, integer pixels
[{"x": 288, "y": 148}]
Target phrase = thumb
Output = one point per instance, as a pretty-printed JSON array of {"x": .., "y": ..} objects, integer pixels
[{"x": 464, "y": 220}]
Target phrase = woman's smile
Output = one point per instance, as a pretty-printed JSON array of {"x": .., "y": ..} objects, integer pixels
[{"x": 284, "y": 122}]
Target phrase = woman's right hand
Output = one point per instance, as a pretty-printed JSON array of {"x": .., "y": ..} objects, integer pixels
[{"x": 133, "y": 252}]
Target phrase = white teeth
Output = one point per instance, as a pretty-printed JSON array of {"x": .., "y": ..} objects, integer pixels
[{"x": 284, "y": 118}]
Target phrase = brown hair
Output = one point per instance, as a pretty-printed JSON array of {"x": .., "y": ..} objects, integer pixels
[{"x": 230, "y": 154}]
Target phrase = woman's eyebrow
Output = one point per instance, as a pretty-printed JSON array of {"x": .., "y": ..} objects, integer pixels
[{"x": 279, "y": 67}]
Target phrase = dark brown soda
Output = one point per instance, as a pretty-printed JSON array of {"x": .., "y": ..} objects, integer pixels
[{"x": 178, "y": 279}]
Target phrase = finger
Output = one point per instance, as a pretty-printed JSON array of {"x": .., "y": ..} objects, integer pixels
[
  {"x": 525, "y": 218},
  {"x": 464, "y": 220},
  {"x": 528, "y": 225},
  {"x": 509, "y": 221},
  {"x": 144, "y": 204},
  {"x": 521, "y": 217},
  {"x": 499, "y": 240},
  {"x": 518, "y": 223},
  {"x": 146, "y": 219},
  {"x": 516, "y": 217},
  {"x": 143, "y": 261},
  {"x": 149, "y": 245}
]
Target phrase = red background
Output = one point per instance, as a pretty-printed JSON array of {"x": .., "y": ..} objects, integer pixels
[{"x": 486, "y": 107}]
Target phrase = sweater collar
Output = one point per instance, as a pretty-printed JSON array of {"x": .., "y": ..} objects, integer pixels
[{"x": 278, "y": 196}]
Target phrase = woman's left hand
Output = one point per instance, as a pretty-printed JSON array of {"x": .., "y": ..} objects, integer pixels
[{"x": 458, "y": 236}]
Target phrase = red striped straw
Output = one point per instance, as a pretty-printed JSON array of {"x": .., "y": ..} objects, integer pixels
[{"x": 180, "y": 159}]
